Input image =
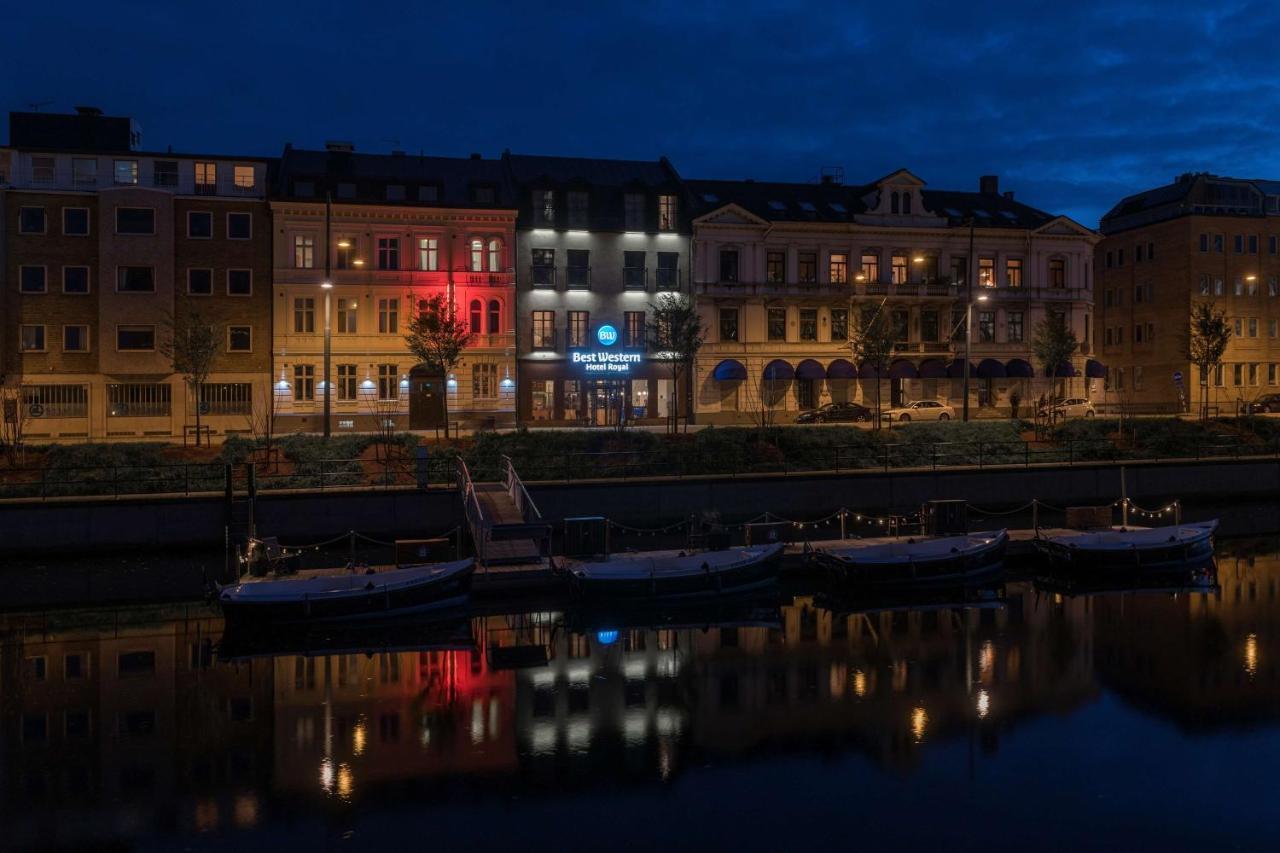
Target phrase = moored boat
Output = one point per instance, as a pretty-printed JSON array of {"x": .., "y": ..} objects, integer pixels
[
  {"x": 350, "y": 595},
  {"x": 678, "y": 574},
  {"x": 916, "y": 560},
  {"x": 1152, "y": 548}
]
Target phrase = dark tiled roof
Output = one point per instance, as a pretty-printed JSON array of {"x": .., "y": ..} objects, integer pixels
[
  {"x": 527, "y": 169},
  {"x": 1001, "y": 211},
  {"x": 606, "y": 183},
  {"x": 1192, "y": 193},
  {"x": 454, "y": 179}
]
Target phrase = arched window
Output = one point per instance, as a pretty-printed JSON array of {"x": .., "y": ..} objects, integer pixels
[
  {"x": 495, "y": 255},
  {"x": 495, "y": 316},
  {"x": 477, "y": 255},
  {"x": 893, "y": 203},
  {"x": 906, "y": 202},
  {"x": 475, "y": 316}
]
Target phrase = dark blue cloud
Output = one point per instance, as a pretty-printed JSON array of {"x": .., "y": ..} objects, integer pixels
[{"x": 1074, "y": 105}]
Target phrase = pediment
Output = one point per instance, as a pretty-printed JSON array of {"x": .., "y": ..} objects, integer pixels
[
  {"x": 1065, "y": 226},
  {"x": 899, "y": 178},
  {"x": 729, "y": 214}
]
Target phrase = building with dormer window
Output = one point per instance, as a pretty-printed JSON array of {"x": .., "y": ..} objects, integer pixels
[{"x": 782, "y": 272}]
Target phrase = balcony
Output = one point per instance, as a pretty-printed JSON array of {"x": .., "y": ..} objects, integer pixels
[
  {"x": 634, "y": 278},
  {"x": 845, "y": 290},
  {"x": 542, "y": 275},
  {"x": 667, "y": 278},
  {"x": 577, "y": 278},
  {"x": 496, "y": 340},
  {"x": 486, "y": 279}
]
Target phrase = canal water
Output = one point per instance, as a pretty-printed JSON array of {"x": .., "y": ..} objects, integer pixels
[{"x": 1027, "y": 715}]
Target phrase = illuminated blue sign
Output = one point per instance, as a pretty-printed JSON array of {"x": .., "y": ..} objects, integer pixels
[
  {"x": 606, "y": 638},
  {"x": 607, "y": 335}
]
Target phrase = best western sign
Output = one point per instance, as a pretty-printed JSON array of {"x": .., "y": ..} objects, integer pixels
[{"x": 602, "y": 360}]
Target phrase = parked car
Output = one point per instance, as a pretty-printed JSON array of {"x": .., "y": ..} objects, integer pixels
[
  {"x": 920, "y": 410},
  {"x": 1073, "y": 407},
  {"x": 835, "y": 413},
  {"x": 1266, "y": 404}
]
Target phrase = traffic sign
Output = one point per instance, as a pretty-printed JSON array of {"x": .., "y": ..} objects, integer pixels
[{"x": 1177, "y": 376}]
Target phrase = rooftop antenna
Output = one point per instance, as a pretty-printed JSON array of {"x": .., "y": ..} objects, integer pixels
[{"x": 35, "y": 106}]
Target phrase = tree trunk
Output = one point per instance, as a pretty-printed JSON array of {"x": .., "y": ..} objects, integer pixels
[{"x": 197, "y": 395}]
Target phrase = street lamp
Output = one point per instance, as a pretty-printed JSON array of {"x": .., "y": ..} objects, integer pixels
[
  {"x": 968, "y": 320},
  {"x": 327, "y": 287}
]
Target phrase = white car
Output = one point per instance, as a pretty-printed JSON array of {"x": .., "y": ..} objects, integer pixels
[
  {"x": 921, "y": 410},
  {"x": 1074, "y": 407}
]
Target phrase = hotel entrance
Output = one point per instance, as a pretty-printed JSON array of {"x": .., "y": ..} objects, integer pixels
[{"x": 606, "y": 400}]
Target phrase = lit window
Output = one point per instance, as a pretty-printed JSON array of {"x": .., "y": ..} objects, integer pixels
[
  {"x": 32, "y": 339},
  {"x": 388, "y": 382},
  {"x": 239, "y": 338},
  {"x": 206, "y": 178},
  {"x": 126, "y": 172},
  {"x": 243, "y": 177},
  {"x": 428, "y": 254},
  {"x": 304, "y": 251},
  {"x": 666, "y": 213}
]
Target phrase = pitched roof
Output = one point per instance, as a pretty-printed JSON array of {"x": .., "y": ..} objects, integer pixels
[
  {"x": 533, "y": 169},
  {"x": 364, "y": 178}
]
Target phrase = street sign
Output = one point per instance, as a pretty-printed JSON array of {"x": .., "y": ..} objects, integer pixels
[{"x": 1177, "y": 376}]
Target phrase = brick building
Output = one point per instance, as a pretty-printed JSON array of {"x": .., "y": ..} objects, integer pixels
[
  {"x": 1201, "y": 238},
  {"x": 104, "y": 245}
]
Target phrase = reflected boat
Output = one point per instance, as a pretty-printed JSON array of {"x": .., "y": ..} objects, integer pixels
[
  {"x": 1152, "y": 548},
  {"x": 677, "y": 575},
  {"x": 988, "y": 595},
  {"x": 246, "y": 642},
  {"x": 1200, "y": 577},
  {"x": 941, "y": 560}
]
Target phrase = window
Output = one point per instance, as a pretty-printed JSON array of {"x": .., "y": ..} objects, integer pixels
[
  {"x": 1013, "y": 272},
  {"x": 1253, "y": 327},
  {"x": 1138, "y": 290},
  {"x": 31, "y": 279},
  {"x": 1014, "y": 320},
  {"x": 304, "y": 382},
  {"x": 1137, "y": 254},
  {"x": 929, "y": 325},
  {"x": 633, "y": 212},
  {"x": 838, "y": 268},
  {"x": 239, "y": 282},
  {"x": 388, "y": 315},
  {"x": 428, "y": 254},
  {"x": 929, "y": 268},
  {"x": 870, "y": 268},
  {"x": 1239, "y": 244},
  {"x": 227, "y": 398},
  {"x": 75, "y": 279},
  {"x": 1239, "y": 327},
  {"x": 495, "y": 255},
  {"x": 1217, "y": 243},
  {"x": 668, "y": 272},
  {"x": 1271, "y": 245},
  {"x": 75, "y": 221},
  {"x": 243, "y": 178},
  {"x": 578, "y": 324},
  {"x": 544, "y": 207},
  {"x": 1271, "y": 374},
  {"x": 1119, "y": 257},
  {"x": 1137, "y": 334},
  {"x": 304, "y": 314},
  {"x": 666, "y": 213},
  {"x": 959, "y": 269},
  {"x": 206, "y": 178},
  {"x": 239, "y": 339},
  {"x": 898, "y": 269},
  {"x": 633, "y": 270},
  {"x": 544, "y": 330},
  {"x": 388, "y": 382},
  {"x": 484, "y": 381},
  {"x": 839, "y": 324},
  {"x": 388, "y": 253},
  {"x": 135, "y": 280},
  {"x": 1271, "y": 328},
  {"x": 31, "y": 220},
  {"x": 199, "y": 224},
  {"x": 1239, "y": 286},
  {"x": 808, "y": 267},
  {"x": 728, "y": 324},
  {"x": 75, "y": 666},
  {"x": 58, "y": 401},
  {"x": 31, "y": 338},
  {"x": 126, "y": 172},
  {"x": 986, "y": 272},
  {"x": 578, "y": 269},
  {"x": 577, "y": 202},
  {"x": 495, "y": 317},
  {"x": 777, "y": 324},
  {"x": 893, "y": 205},
  {"x": 1204, "y": 242},
  {"x": 544, "y": 267},
  {"x": 1273, "y": 287},
  {"x": 164, "y": 173},
  {"x": 775, "y": 265},
  {"x": 239, "y": 226},
  {"x": 808, "y": 324},
  {"x": 304, "y": 251},
  {"x": 986, "y": 326},
  {"x": 729, "y": 265},
  {"x": 476, "y": 262},
  {"x": 476, "y": 316},
  {"x": 135, "y": 220},
  {"x": 84, "y": 171},
  {"x": 135, "y": 338},
  {"x": 346, "y": 383},
  {"x": 1110, "y": 259},
  {"x": 899, "y": 320},
  {"x": 1237, "y": 374},
  {"x": 1253, "y": 245},
  {"x": 348, "y": 311},
  {"x": 633, "y": 329}
]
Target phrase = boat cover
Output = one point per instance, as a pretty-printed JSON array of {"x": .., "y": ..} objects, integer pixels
[
  {"x": 339, "y": 585},
  {"x": 644, "y": 566}
]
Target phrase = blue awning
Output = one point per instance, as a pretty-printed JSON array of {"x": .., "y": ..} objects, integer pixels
[
  {"x": 1064, "y": 371},
  {"x": 903, "y": 369},
  {"x": 989, "y": 368},
  {"x": 955, "y": 369},
  {"x": 933, "y": 368},
  {"x": 778, "y": 370},
  {"x": 842, "y": 369},
  {"x": 1095, "y": 369},
  {"x": 810, "y": 369},
  {"x": 729, "y": 370},
  {"x": 1018, "y": 368}
]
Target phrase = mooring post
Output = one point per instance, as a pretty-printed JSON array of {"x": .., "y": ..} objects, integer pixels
[
  {"x": 844, "y": 515},
  {"x": 1035, "y": 516}
]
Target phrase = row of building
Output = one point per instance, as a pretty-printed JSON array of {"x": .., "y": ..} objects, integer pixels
[{"x": 554, "y": 262}]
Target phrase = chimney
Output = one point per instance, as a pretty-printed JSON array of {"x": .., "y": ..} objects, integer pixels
[
  {"x": 989, "y": 185},
  {"x": 1008, "y": 194},
  {"x": 88, "y": 111},
  {"x": 339, "y": 147},
  {"x": 475, "y": 156},
  {"x": 397, "y": 153}
]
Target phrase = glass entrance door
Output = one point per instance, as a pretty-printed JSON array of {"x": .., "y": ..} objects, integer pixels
[{"x": 607, "y": 399}]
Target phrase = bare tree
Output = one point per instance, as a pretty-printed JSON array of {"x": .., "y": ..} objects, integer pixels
[
  {"x": 871, "y": 345},
  {"x": 674, "y": 339},
  {"x": 261, "y": 421},
  {"x": 437, "y": 337},
  {"x": 13, "y": 418},
  {"x": 191, "y": 343},
  {"x": 383, "y": 409},
  {"x": 1207, "y": 341}
]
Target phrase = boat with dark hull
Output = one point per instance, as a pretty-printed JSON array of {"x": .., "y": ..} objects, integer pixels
[
  {"x": 350, "y": 595},
  {"x": 1141, "y": 549},
  {"x": 677, "y": 575},
  {"x": 937, "y": 560}
]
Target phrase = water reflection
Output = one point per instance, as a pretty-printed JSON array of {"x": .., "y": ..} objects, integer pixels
[{"x": 127, "y": 722}]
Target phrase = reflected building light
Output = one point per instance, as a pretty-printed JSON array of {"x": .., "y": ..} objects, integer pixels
[
  {"x": 359, "y": 736},
  {"x": 542, "y": 737},
  {"x": 919, "y": 722},
  {"x": 838, "y": 674},
  {"x": 477, "y": 721},
  {"x": 544, "y": 677},
  {"x": 1251, "y": 655},
  {"x": 326, "y": 776},
  {"x": 669, "y": 722},
  {"x": 425, "y": 737},
  {"x": 668, "y": 664},
  {"x": 986, "y": 660},
  {"x": 346, "y": 781},
  {"x": 984, "y": 704},
  {"x": 634, "y": 725},
  {"x": 578, "y": 733},
  {"x": 634, "y": 668},
  {"x": 246, "y": 811},
  {"x": 578, "y": 673},
  {"x": 859, "y": 683},
  {"x": 664, "y": 759},
  {"x": 206, "y": 815},
  {"x": 495, "y": 716}
]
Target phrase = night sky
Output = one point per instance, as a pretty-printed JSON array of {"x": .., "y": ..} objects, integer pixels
[{"x": 1073, "y": 109}]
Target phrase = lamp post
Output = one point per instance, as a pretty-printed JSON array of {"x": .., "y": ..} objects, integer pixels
[
  {"x": 968, "y": 321},
  {"x": 327, "y": 286}
]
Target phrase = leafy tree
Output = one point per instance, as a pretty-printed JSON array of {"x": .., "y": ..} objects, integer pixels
[
  {"x": 675, "y": 338},
  {"x": 1206, "y": 344},
  {"x": 871, "y": 344},
  {"x": 191, "y": 343},
  {"x": 1053, "y": 344},
  {"x": 437, "y": 336}
]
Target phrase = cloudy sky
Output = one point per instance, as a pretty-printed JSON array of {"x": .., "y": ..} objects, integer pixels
[{"x": 1073, "y": 109}]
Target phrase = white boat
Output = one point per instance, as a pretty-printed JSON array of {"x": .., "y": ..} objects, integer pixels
[
  {"x": 917, "y": 559},
  {"x": 678, "y": 574},
  {"x": 1155, "y": 548}
]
